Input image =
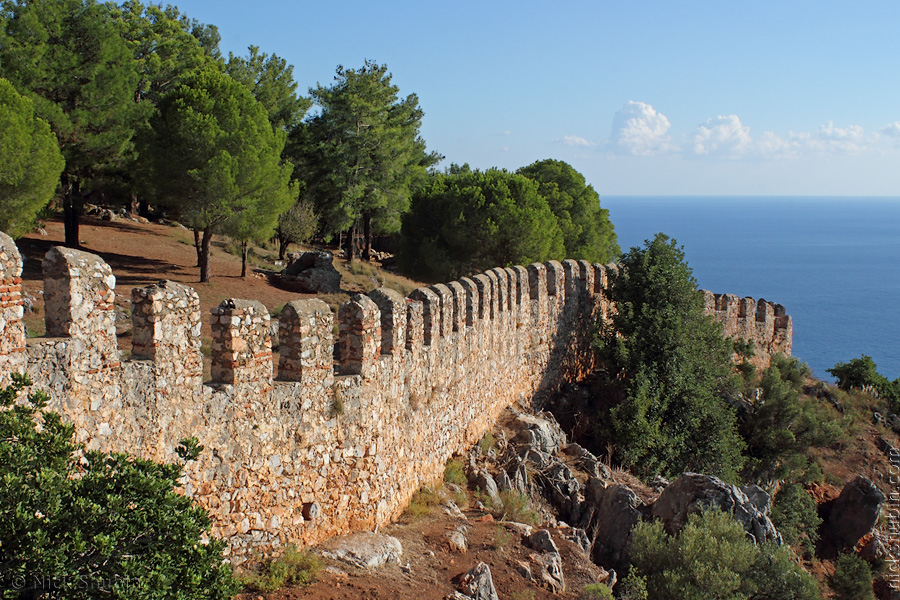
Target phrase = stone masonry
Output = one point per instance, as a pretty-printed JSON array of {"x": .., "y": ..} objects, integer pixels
[{"x": 314, "y": 449}]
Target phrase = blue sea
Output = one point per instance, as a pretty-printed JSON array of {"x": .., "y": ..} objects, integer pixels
[{"x": 834, "y": 263}]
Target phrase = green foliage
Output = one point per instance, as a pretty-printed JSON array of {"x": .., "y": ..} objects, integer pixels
[
  {"x": 297, "y": 225},
  {"x": 487, "y": 442},
  {"x": 361, "y": 155},
  {"x": 586, "y": 229},
  {"x": 165, "y": 44},
  {"x": 672, "y": 363},
  {"x": 516, "y": 506},
  {"x": 784, "y": 425},
  {"x": 30, "y": 162},
  {"x": 107, "y": 525},
  {"x": 597, "y": 591},
  {"x": 862, "y": 373},
  {"x": 712, "y": 558},
  {"x": 465, "y": 222},
  {"x": 423, "y": 501},
  {"x": 216, "y": 158},
  {"x": 271, "y": 80},
  {"x": 293, "y": 567},
  {"x": 71, "y": 59},
  {"x": 795, "y": 516},
  {"x": 634, "y": 586},
  {"x": 454, "y": 472},
  {"x": 852, "y": 579}
]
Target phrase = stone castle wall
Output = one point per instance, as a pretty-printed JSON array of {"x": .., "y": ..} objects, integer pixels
[
  {"x": 766, "y": 324},
  {"x": 300, "y": 447}
]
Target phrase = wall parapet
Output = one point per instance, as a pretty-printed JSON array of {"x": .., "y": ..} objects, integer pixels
[
  {"x": 325, "y": 446},
  {"x": 765, "y": 323}
]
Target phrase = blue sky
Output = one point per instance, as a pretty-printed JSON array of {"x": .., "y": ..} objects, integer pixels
[{"x": 653, "y": 97}]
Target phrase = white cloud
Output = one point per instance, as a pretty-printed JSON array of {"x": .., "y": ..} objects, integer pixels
[
  {"x": 727, "y": 137},
  {"x": 639, "y": 129},
  {"x": 575, "y": 140},
  {"x": 892, "y": 130},
  {"x": 723, "y": 136}
]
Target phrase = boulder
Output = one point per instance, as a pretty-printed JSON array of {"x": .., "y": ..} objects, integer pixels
[
  {"x": 482, "y": 480},
  {"x": 542, "y": 541},
  {"x": 854, "y": 513},
  {"x": 551, "y": 572},
  {"x": 456, "y": 540},
  {"x": 363, "y": 550},
  {"x": 692, "y": 492},
  {"x": 540, "y": 433},
  {"x": 312, "y": 273},
  {"x": 478, "y": 584},
  {"x": 616, "y": 510}
]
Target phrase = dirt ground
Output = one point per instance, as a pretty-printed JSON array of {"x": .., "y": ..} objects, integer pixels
[
  {"x": 144, "y": 253},
  {"x": 430, "y": 570}
]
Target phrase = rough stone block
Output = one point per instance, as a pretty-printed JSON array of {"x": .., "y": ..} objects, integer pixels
[
  {"x": 431, "y": 313},
  {"x": 415, "y": 325},
  {"x": 79, "y": 301},
  {"x": 484, "y": 296},
  {"x": 306, "y": 343},
  {"x": 459, "y": 305},
  {"x": 472, "y": 301},
  {"x": 12, "y": 337},
  {"x": 166, "y": 329},
  {"x": 393, "y": 320},
  {"x": 359, "y": 331},
  {"x": 241, "y": 344},
  {"x": 445, "y": 297}
]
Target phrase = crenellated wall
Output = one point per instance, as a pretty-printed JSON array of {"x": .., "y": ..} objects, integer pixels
[
  {"x": 767, "y": 324},
  {"x": 300, "y": 447}
]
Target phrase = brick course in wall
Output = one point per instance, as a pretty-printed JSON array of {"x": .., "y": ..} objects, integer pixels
[{"x": 323, "y": 448}]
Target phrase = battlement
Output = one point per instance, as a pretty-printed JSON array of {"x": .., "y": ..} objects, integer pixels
[
  {"x": 335, "y": 428},
  {"x": 765, "y": 323}
]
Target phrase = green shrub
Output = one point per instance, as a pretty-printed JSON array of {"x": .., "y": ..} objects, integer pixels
[
  {"x": 852, "y": 579},
  {"x": 784, "y": 425},
  {"x": 109, "y": 524},
  {"x": 423, "y": 501},
  {"x": 795, "y": 516},
  {"x": 862, "y": 373},
  {"x": 672, "y": 364},
  {"x": 515, "y": 506},
  {"x": 454, "y": 472},
  {"x": 597, "y": 591},
  {"x": 634, "y": 587},
  {"x": 487, "y": 443},
  {"x": 294, "y": 567},
  {"x": 712, "y": 558}
]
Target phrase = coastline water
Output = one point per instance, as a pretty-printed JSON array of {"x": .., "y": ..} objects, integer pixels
[{"x": 834, "y": 263}]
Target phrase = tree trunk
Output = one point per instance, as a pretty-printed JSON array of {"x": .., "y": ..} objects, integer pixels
[
  {"x": 244, "y": 248},
  {"x": 197, "y": 246},
  {"x": 72, "y": 202},
  {"x": 282, "y": 248},
  {"x": 204, "y": 255},
  {"x": 135, "y": 207},
  {"x": 350, "y": 250},
  {"x": 367, "y": 232}
]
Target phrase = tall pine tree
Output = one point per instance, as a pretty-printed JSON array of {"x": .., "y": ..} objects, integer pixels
[
  {"x": 362, "y": 154},
  {"x": 71, "y": 59}
]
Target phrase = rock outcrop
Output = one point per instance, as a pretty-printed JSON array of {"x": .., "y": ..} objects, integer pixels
[
  {"x": 312, "y": 273},
  {"x": 853, "y": 514},
  {"x": 364, "y": 550},
  {"x": 692, "y": 492}
]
